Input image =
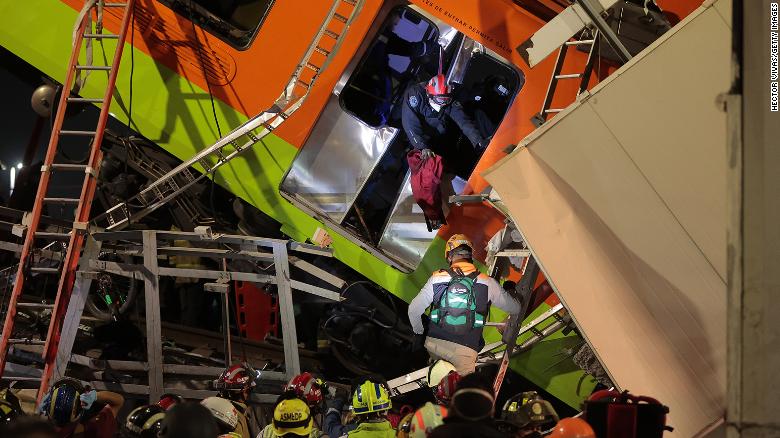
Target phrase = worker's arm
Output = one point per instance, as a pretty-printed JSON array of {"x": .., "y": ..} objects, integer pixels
[
  {"x": 331, "y": 424},
  {"x": 112, "y": 399},
  {"x": 466, "y": 125},
  {"x": 411, "y": 121},
  {"x": 418, "y": 305},
  {"x": 499, "y": 298}
]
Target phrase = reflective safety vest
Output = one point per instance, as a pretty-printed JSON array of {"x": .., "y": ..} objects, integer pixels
[{"x": 381, "y": 429}]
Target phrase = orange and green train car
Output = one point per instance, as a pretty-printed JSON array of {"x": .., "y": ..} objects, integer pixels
[{"x": 323, "y": 167}]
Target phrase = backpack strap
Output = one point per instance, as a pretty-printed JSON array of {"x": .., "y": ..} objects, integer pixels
[{"x": 456, "y": 272}]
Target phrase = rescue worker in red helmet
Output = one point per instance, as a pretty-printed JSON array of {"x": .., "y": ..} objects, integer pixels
[
  {"x": 429, "y": 110},
  {"x": 235, "y": 384},
  {"x": 446, "y": 388},
  {"x": 460, "y": 299},
  {"x": 427, "y": 113},
  {"x": 308, "y": 388}
]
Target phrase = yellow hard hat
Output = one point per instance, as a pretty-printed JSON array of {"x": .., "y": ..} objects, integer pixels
[
  {"x": 292, "y": 416},
  {"x": 455, "y": 241},
  {"x": 370, "y": 397}
]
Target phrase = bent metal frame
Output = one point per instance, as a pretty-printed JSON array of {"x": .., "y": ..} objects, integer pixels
[{"x": 151, "y": 245}]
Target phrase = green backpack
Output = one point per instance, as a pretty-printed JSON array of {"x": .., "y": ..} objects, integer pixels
[{"x": 457, "y": 308}]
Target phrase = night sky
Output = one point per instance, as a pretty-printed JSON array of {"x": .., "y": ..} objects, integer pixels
[
  {"x": 18, "y": 81},
  {"x": 18, "y": 120}
]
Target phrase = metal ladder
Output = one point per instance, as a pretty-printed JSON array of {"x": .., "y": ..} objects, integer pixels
[
  {"x": 83, "y": 35},
  {"x": 511, "y": 332},
  {"x": 538, "y": 326},
  {"x": 320, "y": 53},
  {"x": 539, "y": 118}
]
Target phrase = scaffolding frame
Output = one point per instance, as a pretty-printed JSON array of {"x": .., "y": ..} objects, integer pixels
[{"x": 152, "y": 245}]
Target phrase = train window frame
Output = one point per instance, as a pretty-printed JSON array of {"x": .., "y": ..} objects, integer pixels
[
  {"x": 216, "y": 25},
  {"x": 365, "y": 57}
]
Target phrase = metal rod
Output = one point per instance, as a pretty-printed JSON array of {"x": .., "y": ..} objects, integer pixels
[
  {"x": 153, "y": 323},
  {"x": 226, "y": 322}
]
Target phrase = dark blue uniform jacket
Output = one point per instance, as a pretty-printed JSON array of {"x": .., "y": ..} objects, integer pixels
[{"x": 423, "y": 124}]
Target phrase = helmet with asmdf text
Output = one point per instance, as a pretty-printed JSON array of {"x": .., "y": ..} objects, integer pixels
[{"x": 292, "y": 416}]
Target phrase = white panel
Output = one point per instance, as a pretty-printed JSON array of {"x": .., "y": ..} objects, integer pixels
[
  {"x": 663, "y": 112},
  {"x": 627, "y": 194},
  {"x": 724, "y": 8}
]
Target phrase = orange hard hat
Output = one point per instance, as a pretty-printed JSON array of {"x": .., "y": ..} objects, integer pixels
[{"x": 572, "y": 428}]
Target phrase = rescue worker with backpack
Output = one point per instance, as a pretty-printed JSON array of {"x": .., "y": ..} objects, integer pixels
[
  {"x": 370, "y": 404},
  {"x": 460, "y": 298}
]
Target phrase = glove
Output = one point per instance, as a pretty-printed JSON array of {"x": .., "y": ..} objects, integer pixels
[
  {"x": 87, "y": 399},
  {"x": 427, "y": 153}
]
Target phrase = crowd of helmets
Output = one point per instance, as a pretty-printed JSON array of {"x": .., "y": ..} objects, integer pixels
[{"x": 465, "y": 407}]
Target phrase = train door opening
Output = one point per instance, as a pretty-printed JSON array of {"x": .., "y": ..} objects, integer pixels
[{"x": 352, "y": 169}]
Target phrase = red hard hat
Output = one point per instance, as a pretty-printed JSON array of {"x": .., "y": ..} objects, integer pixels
[
  {"x": 438, "y": 90},
  {"x": 307, "y": 387},
  {"x": 168, "y": 400},
  {"x": 236, "y": 378},
  {"x": 572, "y": 428},
  {"x": 447, "y": 387}
]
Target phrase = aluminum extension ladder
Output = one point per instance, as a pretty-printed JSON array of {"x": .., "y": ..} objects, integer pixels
[
  {"x": 320, "y": 53},
  {"x": 67, "y": 273},
  {"x": 539, "y": 118}
]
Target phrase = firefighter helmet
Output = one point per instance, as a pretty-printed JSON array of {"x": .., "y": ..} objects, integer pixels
[
  {"x": 144, "y": 422},
  {"x": 223, "y": 411},
  {"x": 167, "y": 401},
  {"x": 528, "y": 409},
  {"x": 7, "y": 412},
  {"x": 438, "y": 90},
  {"x": 456, "y": 241},
  {"x": 426, "y": 419},
  {"x": 404, "y": 425},
  {"x": 572, "y": 428},
  {"x": 437, "y": 371},
  {"x": 293, "y": 416},
  {"x": 447, "y": 387},
  {"x": 237, "y": 377},
  {"x": 307, "y": 387},
  {"x": 62, "y": 405},
  {"x": 370, "y": 397}
]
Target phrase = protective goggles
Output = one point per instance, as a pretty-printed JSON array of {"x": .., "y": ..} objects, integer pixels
[{"x": 440, "y": 99}]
